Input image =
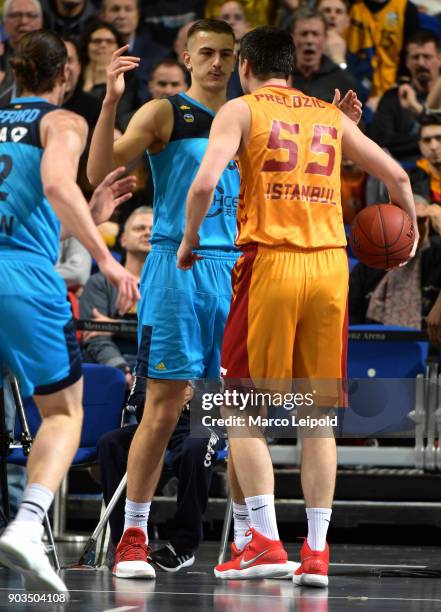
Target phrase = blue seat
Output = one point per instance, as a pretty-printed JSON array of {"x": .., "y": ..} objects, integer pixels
[
  {"x": 104, "y": 389},
  {"x": 352, "y": 263},
  {"x": 382, "y": 383}
]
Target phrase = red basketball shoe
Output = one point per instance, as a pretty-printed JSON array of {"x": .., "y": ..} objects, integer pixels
[
  {"x": 261, "y": 558},
  {"x": 313, "y": 570},
  {"x": 131, "y": 556}
]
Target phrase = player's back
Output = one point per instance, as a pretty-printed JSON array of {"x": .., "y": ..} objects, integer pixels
[
  {"x": 28, "y": 223},
  {"x": 290, "y": 172},
  {"x": 173, "y": 171}
]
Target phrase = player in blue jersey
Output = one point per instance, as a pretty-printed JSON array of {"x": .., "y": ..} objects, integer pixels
[
  {"x": 181, "y": 315},
  {"x": 40, "y": 145}
]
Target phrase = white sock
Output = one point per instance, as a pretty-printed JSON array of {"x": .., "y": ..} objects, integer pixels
[
  {"x": 136, "y": 514},
  {"x": 36, "y": 501},
  {"x": 318, "y": 523},
  {"x": 263, "y": 515},
  {"x": 242, "y": 524}
]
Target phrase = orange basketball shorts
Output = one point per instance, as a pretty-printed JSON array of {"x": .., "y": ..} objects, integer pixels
[{"x": 288, "y": 315}]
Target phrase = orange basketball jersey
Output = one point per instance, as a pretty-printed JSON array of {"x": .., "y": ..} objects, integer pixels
[{"x": 290, "y": 172}]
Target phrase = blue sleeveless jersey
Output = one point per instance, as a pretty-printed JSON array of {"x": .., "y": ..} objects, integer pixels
[
  {"x": 173, "y": 171},
  {"x": 27, "y": 220}
]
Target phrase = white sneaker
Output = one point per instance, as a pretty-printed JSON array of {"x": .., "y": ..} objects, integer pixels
[{"x": 22, "y": 550}]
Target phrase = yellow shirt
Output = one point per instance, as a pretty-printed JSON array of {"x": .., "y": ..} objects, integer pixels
[{"x": 290, "y": 172}]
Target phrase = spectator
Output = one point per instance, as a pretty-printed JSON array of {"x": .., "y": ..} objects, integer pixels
[
  {"x": 19, "y": 17},
  {"x": 180, "y": 42},
  {"x": 337, "y": 16},
  {"x": 259, "y": 12},
  {"x": 314, "y": 72},
  {"x": 124, "y": 16},
  {"x": 74, "y": 264},
  {"x": 234, "y": 14},
  {"x": 190, "y": 460},
  {"x": 426, "y": 177},
  {"x": 165, "y": 17},
  {"x": 168, "y": 78},
  {"x": 375, "y": 38},
  {"x": 67, "y": 18},
  {"x": 396, "y": 122},
  {"x": 98, "y": 41},
  {"x": 434, "y": 98},
  {"x": 82, "y": 103},
  {"x": 407, "y": 296},
  {"x": 99, "y": 298}
]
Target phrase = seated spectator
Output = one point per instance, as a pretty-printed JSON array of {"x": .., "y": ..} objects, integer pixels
[
  {"x": 82, "y": 103},
  {"x": 337, "y": 16},
  {"x": 67, "y": 18},
  {"x": 98, "y": 42},
  {"x": 396, "y": 123},
  {"x": 167, "y": 79},
  {"x": 426, "y": 177},
  {"x": 99, "y": 298},
  {"x": 234, "y": 14},
  {"x": 260, "y": 12},
  {"x": 124, "y": 16},
  {"x": 315, "y": 74},
  {"x": 164, "y": 17},
  {"x": 408, "y": 296},
  {"x": 375, "y": 38},
  {"x": 74, "y": 264},
  {"x": 180, "y": 43},
  {"x": 190, "y": 461},
  {"x": 19, "y": 17}
]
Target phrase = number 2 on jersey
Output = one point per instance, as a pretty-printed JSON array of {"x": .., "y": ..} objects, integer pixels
[
  {"x": 6, "y": 163},
  {"x": 277, "y": 142}
]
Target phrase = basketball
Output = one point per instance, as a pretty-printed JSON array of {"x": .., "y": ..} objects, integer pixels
[{"x": 382, "y": 236}]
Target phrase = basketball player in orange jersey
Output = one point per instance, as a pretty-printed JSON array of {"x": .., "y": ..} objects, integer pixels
[{"x": 288, "y": 312}]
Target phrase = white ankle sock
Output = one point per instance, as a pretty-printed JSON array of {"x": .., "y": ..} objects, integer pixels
[
  {"x": 318, "y": 523},
  {"x": 242, "y": 524},
  {"x": 263, "y": 515},
  {"x": 136, "y": 514},
  {"x": 35, "y": 503}
]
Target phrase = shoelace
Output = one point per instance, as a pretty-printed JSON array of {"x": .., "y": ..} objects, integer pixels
[{"x": 133, "y": 551}]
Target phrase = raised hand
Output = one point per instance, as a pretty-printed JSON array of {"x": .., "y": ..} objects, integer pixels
[
  {"x": 350, "y": 105},
  {"x": 119, "y": 65},
  {"x": 110, "y": 193}
]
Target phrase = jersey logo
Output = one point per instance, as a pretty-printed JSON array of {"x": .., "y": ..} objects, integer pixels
[
  {"x": 18, "y": 133},
  {"x": 189, "y": 118},
  {"x": 183, "y": 107},
  {"x": 160, "y": 366}
]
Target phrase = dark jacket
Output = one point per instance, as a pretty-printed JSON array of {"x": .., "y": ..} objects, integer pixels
[
  {"x": 395, "y": 128},
  {"x": 363, "y": 281},
  {"x": 65, "y": 26},
  {"x": 420, "y": 182},
  {"x": 322, "y": 84}
]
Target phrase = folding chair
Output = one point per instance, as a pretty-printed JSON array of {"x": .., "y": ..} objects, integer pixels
[{"x": 104, "y": 389}]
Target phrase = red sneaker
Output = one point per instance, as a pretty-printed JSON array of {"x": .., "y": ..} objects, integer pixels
[
  {"x": 313, "y": 570},
  {"x": 131, "y": 556},
  {"x": 261, "y": 558}
]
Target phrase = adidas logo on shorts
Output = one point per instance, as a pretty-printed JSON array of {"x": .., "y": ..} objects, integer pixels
[{"x": 160, "y": 366}]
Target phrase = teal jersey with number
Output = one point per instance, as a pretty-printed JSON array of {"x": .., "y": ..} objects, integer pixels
[
  {"x": 27, "y": 220},
  {"x": 173, "y": 171}
]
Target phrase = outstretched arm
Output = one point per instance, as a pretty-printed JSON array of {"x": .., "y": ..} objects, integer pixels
[{"x": 226, "y": 135}]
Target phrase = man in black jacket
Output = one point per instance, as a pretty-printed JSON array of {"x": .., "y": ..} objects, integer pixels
[
  {"x": 426, "y": 177},
  {"x": 314, "y": 73},
  {"x": 397, "y": 120}
]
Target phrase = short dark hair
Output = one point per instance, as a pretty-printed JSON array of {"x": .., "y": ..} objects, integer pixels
[
  {"x": 423, "y": 37},
  {"x": 303, "y": 14},
  {"x": 38, "y": 60},
  {"x": 430, "y": 117},
  {"x": 211, "y": 25},
  {"x": 169, "y": 62},
  {"x": 270, "y": 52}
]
